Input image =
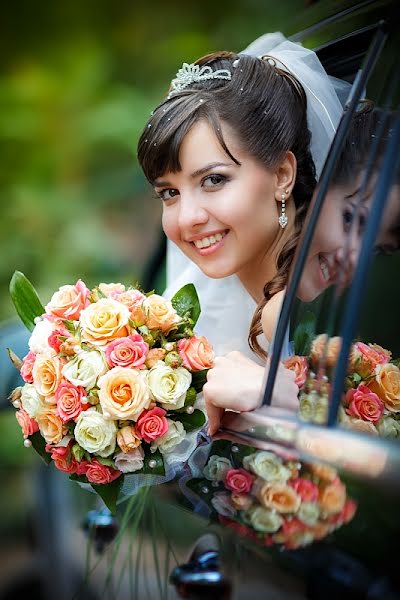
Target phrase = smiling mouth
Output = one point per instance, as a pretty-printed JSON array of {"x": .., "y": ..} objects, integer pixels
[{"x": 208, "y": 241}]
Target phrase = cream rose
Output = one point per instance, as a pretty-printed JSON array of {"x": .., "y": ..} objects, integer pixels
[
  {"x": 308, "y": 513},
  {"x": 47, "y": 374},
  {"x": 174, "y": 436},
  {"x": 104, "y": 321},
  {"x": 160, "y": 314},
  {"x": 129, "y": 462},
  {"x": 94, "y": 433},
  {"x": 266, "y": 465},
  {"x": 263, "y": 519},
  {"x": 50, "y": 424},
  {"x": 30, "y": 399},
  {"x": 168, "y": 386},
  {"x": 221, "y": 502},
  {"x": 388, "y": 427},
  {"x": 123, "y": 393},
  {"x": 85, "y": 368},
  {"x": 217, "y": 467}
]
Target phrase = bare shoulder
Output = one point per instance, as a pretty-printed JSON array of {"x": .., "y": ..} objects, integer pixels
[{"x": 270, "y": 314}]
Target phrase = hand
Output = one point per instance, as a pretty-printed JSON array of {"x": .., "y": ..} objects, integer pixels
[{"x": 235, "y": 383}]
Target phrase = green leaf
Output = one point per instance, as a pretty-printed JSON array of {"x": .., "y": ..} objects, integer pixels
[
  {"x": 304, "y": 334},
  {"x": 109, "y": 492},
  {"x": 25, "y": 300},
  {"x": 186, "y": 303},
  {"x": 190, "y": 422},
  {"x": 39, "y": 444},
  {"x": 159, "y": 469},
  {"x": 199, "y": 378}
]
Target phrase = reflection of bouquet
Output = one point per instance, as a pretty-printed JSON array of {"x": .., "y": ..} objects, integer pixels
[
  {"x": 371, "y": 399},
  {"x": 270, "y": 499},
  {"x": 111, "y": 379}
]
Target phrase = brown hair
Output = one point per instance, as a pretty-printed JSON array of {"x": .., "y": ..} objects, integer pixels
[{"x": 266, "y": 107}]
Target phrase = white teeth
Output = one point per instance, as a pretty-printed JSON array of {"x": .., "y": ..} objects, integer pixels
[
  {"x": 208, "y": 241},
  {"x": 324, "y": 268}
]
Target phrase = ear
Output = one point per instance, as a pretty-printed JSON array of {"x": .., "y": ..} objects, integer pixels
[{"x": 285, "y": 175}]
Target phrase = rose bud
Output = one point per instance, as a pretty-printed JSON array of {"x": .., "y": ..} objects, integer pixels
[{"x": 173, "y": 359}]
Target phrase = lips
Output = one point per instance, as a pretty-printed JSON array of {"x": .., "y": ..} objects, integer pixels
[{"x": 208, "y": 240}]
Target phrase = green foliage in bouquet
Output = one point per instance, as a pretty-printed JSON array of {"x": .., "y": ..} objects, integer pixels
[{"x": 111, "y": 380}]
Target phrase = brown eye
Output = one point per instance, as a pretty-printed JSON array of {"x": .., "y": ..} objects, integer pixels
[{"x": 214, "y": 180}]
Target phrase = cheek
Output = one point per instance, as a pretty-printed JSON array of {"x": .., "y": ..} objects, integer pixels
[{"x": 169, "y": 223}]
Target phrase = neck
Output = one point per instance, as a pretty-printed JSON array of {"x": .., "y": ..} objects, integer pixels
[{"x": 256, "y": 275}]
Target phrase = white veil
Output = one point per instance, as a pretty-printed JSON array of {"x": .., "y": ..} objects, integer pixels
[{"x": 227, "y": 308}]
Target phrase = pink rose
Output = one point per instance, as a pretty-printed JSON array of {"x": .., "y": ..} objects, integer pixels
[
  {"x": 69, "y": 300},
  {"x": 306, "y": 489},
  {"x": 63, "y": 458},
  {"x": 133, "y": 300},
  {"x": 27, "y": 366},
  {"x": 238, "y": 480},
  {"x": 70, "y": 401},
  {"x": 152, "y": 424},
  {"x": 365, "y": 357},
  {"x": 293, "y": 526},
  {"x": 364, "y": 404},
  {"x": 299, "y": 365},
  {"x": 54, "y": 340},
  {"x": 97, "y": 473},
  {"x": 28, "y": 425},
  {"x": 197, "y": 353},
  {"x": 129, "y": 351}
]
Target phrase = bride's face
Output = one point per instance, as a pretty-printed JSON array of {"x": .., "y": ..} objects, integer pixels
[
  {"x": 222, "y": 215},
  {"x": 338, "y": 236}
]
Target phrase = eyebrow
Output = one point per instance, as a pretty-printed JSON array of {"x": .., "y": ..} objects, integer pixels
[{"x": 198, "y": 173}]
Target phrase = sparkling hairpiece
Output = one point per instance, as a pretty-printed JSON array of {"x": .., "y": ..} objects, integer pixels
[{"x": 192, "y": 73}]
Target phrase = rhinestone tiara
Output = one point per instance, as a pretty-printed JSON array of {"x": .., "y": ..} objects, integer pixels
[{"x": 192, "y": 73}]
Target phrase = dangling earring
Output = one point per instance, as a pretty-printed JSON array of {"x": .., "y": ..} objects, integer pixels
[{"x": 283, "y": 220}]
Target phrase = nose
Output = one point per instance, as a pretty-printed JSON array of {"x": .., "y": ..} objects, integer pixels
[{"x": 192, "y": 213}]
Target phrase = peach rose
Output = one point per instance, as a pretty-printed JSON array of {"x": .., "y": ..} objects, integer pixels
[
  {"x": 153, "y": 356},
  {"x": 322, "y": 471},
  {"x": 332, "y": 497},
  {"x": 46, "y": 373},
  {"x": 123, "y": 393},
  {"x": 365, "y": 357},
  {"x": 133, "y": 300},
  {"x": 50, "y": 424},
  {"x": 319, "y": 347},
  {"x": 197, "y": 353},
  {"x": 104, "y": 321},
  {"x": 27, "y": 366},
  {"x": 68, "y": 301},
  {"x": 278, "y": 496},
  {"x": 364, "y": 404},
  {"x": 160, "y": 314},
  {"x": 241, "y": 501},
  {"x": 299, "y": 365},
  {"x": 238, "y": 480},
  {"x": 28, "y": 425},
  {"x": 98, "y": 473},
  {"x": 108, "y": 289},
  {"x": 127, "y": 352},
  {"x": 152, "y": 424},
  {"x": 70, "y": 401},
  {"x": 387, "y": 385},
  {"x": 127, "y": 439},
  {"x": 306, "y": 489},
  {"x": 333, "y": 351}
]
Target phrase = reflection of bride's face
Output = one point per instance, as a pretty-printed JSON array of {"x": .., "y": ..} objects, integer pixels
[
  {"x": 337, "y": 238},
  {"x": 222, "y": 215}
]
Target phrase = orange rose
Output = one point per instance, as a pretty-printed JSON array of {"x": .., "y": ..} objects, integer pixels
[
  {"x": 387, "y": 385},
  {"x": 299, "y": 365},
  {"x": 197, "y": 353},
  {"x": 279, "y": 496},
  {"x": 332, "y": 497}
]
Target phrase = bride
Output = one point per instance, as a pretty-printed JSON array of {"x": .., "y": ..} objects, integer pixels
[{"x": 233, "y": 152}]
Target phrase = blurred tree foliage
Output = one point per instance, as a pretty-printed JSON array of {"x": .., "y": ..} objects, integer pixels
[{"x": 77, "y": 83}]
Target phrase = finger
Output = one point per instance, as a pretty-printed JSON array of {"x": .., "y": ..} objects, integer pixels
[{"x": 214, "y": 414}]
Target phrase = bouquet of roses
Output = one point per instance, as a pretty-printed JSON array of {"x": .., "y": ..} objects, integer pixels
[
  {"x": 371, "y": 398},
  {"x": 270, "y": 498},
  {"x": 111, "y": 379}
]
